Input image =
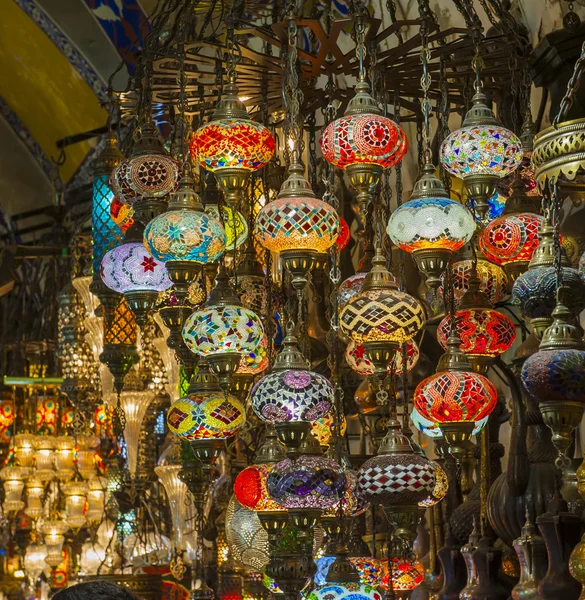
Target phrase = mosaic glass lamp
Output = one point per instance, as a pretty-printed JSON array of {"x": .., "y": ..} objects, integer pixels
[
  {"x": 292, "y": 395},
  {"x": 205, "y": 412},
  {"x": 297, "y": 224},
  {"x": 439, "y": 491},
  {"x": 455, "y": 397},
  {"x": 349, "y": 287},
  {"x": 131, "y": 270},
  {"x": 511, "y": 239},
  {"x": 121, "y": 214},
  {"x": 363, "y": 143},
  {"x": 431, "y": 226},
  {"x": 246, "y": 538},
  {"x": 356, "y": 358},
  {"x": 223, "y": 331},
  {"x": 150, "y": 171},
  {"x": 555, "y": 375},
  {"x": 481, "y": 152},
  {"x": 495, "y": 209},
  {"x": 485, "y": 333},
  {"x": 381, "y": 317},
  {"x": 398, "y": 478},
  {"x": 311, "y": 482},
  {"x": 231, "y": 145},
  {"x": 344, "y": 591},
  {"x": 433, "y": 430},
  {"x": 105, "y": 234},
  {"x": 185, "y": 237},
  {"x": 407, "y": 574},
  {"x": 493, "y": 280},
  {"x": 535, "y": 290}
]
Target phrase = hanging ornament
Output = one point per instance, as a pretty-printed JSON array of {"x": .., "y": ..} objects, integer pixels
[
  {"x": 493, "y": 280},
  {"x": 482, "y": 151},
  {"x": 431, "y": 226},
  {"x": 381, "y": 317},
  {"x": 292, "y": 396},
  {"x": 231, "y": 145},
  {"x": 130, "y": 270},
  {"x": 398, "y": 478},
  {"x": 184, "y": 237},
  {"x": 555, "y": 375},
  {"x": 535, "y": 290},
  {"x": 511, "y": 239},
  {"x": 356, "y": 358},
  {"x": 455, "y": 397},
  {"x": 223, "y": 331},
  {"x": 485, "y": 333}
]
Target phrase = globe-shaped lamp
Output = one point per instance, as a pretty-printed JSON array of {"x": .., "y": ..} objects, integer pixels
[
  {"x": 232, "y": 146},
  {"x": 185, "y": 237},
  {"x": 431, "y": 226},
  {"x": 555, "y": 376},
  {"x": 344, "y": 591},
  {"x": 439, "y": 491},
  {"x": 481, "y": 152},
  {"x": 131, "y": 270},
  {"x": 356, "y": 358}
]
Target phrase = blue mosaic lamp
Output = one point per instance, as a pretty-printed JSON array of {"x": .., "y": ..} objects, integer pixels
[{"x": 185, "y": 237}]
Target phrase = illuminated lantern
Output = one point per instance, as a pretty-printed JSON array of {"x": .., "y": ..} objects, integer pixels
[
  {"x": 455, "y": 397},
  {"x": 511, "y": 239},
  {"x": 381, "y": 317},
  {"x": 344, "y": 235},
  {"x": 431, "y": 226},
  {"x": 130, "y": 269},
  {"x": 356, "y": 358},
  {"x": 75, "y": 493},
  {"x": 439, "y": 491},
  {"x": 13, "y": 477},
  {"x": 535, "y": 290},
  {"x": 493, "y": 280},
  {"x": 231, "y": 145},
  {"x": 349, "y": 288},
  {"x": 481, "y": 152},
  {"x": 344, "y": 591},
  {"x": 234, "y": 224},
  {"x": 223, "y": 330},
  {"x": 150, "y": 172},
  {"x": 363, "y": 143},
  {"x": 292, "y": 396},
  {"x": 496, "y": 206},
  {"x": 485, "y": 333},
  {"x": 54, "y": 531},
  {"x": 205, "y": 412},
  {"x": 407, "y": 574},
  {"x": 431, "y": 428},
  {"x": 555, "y": 376}
]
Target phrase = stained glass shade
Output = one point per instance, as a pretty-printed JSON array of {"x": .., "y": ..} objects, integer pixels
[
  {"x": 431, "y": 223},
  {"x": 223, "y": 329},
  {"x": 206, "y": 415},
  {"x": 481, "y": 150},
  {"x": 297, "y": 223},
  {"x": 228, "y": 143},
  {"x": 185, "y": 235},
  {"x": 455, "y": 396},
  {"x": 344, "y": 591},
  {"x": 251, "y": 491},
  {"x": 357, "y": 359},
  {"x": 493, "y": 281},
  {"x": 483, "y": 331},
  {"x": 432, "y": 429},
  {"x": 130, "y": 268},
  {"x": 363, "y": 139},
  {"x": 307, "y": 482}
]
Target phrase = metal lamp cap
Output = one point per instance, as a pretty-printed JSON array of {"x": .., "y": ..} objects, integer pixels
[
  {"x": 363, "y": 103},
  {"x": 290, "y": 357},
  {"x": 148, "y": 142},
  {"x": 203, "y": 380},
  {"x": 563, "y": 333},
  {"x": 109, "y": 158},
  {"x": 379, "y": 277},
  {"x": 395, "y": 442},
  {"x": 272, "y": 450},
  {"x": 229, "y": 105},
  {"x": 249, "y": 264},
  {"x": 223, "y": 294},
  {"x": 546, "y": 253},
  {"x": 519, "y": 201},
  {"x": 428, "y": 185},
  {"x": 295, "y": 185},
  {"x": 186, "y": 198},
  {"x": 454, "y": 359},
  {"x": 480, "y": 113}
]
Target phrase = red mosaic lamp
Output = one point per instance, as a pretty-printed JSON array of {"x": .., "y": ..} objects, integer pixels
[
  {"x": 510, "y": 240},
  {"x": 455, "y": 397},
  {"x": 231, "y": 145},
  {"x": 485, "y": 333},
  {"x": 363, "y": 143}
]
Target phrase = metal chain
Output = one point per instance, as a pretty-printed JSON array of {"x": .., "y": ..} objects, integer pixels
[
  {"x": 293, "y": 94},
  {"x": 572, "y": 87},
  {"x": 425, "y": 83},
  {"x": 391, "y": 6},
  {"x": 313, "y": 175},
  {"x": 444, "y": 111}
]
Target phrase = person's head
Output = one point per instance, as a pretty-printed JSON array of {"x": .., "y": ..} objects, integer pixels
[{"x": 94, "y": 590}]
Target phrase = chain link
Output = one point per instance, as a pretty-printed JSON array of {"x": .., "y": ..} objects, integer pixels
[{"x": 572, "y": 87}]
